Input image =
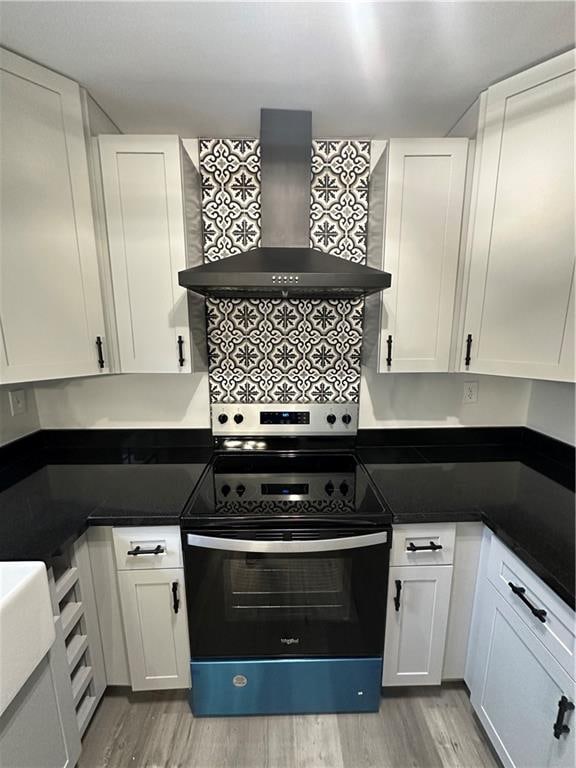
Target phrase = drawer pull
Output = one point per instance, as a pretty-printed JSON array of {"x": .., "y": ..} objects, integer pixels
[
  {"x": 175, "y": 600},
  {"x": 158, "y": 550},
  {"x": 397, "y": 598},
  {"x": 540, "y": 613},
  {"x": 560, "y": 726},
  {"x": 432, "y": 547}
]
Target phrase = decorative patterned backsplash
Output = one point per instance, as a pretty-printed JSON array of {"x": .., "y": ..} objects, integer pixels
[{"x": 284, "y": 350}]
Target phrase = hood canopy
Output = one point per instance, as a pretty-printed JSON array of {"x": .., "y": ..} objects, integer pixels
[{"x": 284, "y": 273}]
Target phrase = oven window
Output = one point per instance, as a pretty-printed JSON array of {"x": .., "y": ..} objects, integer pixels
[
  {"x": 276, "y": 588},
  {"x": 266, "y": 605}
]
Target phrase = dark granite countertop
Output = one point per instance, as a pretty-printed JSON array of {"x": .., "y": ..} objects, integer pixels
[
  {"x": 44, "y": 510},
  {"x": 55, "y": 483},
  {"x": 530, "y": 509}
]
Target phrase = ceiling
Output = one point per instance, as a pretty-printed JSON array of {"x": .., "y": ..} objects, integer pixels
[{"x": 364, "y": 69}]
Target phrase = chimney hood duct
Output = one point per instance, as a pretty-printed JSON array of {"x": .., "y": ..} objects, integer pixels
[{"x": 284, "y": 266}]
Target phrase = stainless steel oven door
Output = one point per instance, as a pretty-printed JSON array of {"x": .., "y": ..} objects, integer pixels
[{"x": 285, "y": 594}]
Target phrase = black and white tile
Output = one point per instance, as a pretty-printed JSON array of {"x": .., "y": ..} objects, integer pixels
[
  {"x": 339, "y": 204},
  {"x": 284, "y": 350},
  {"x": 230, "y": 170}
]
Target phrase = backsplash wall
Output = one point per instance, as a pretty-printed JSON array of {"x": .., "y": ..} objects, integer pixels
[{"x": 284, "y": 350}]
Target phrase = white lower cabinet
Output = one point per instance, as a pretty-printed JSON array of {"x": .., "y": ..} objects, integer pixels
[
  {"x": 156, "y": 628},
  {"x": 417, "y": 617},
  {"x": 153, "y": 606},
  {"x": 517, "y": 702},
  {"x": 517, "y": 685}
]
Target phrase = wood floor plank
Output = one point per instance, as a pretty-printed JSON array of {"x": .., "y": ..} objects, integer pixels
[
  {"x": 456, "y": 733},
  {"x": 415, "y": 728},
  {"x": 316, "y": 742}
]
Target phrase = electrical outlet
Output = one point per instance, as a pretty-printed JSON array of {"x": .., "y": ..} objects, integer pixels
[
  {"x": 17, "y": 399},
  {"x": 470, "y": 393}
]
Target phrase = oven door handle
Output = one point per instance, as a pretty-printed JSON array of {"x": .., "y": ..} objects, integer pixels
[{"x": 287, "y": 547}]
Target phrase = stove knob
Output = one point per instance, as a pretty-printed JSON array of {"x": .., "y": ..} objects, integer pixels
[
  {"x": 329, "y": 488},
  {"x": 238, "y": 418},
  {"x": 240, "y": 489},
  {"x": 225, "y": 489},
  {"x": 344, "y": 488},
  {"x": 222, "y": 418},
  {"x": 331, "y": 419},
  {"x": 346, "y": 418}
]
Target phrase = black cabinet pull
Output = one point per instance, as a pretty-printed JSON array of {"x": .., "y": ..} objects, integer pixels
[
  {"x": 99, "y": 348},
  {"x": 432, "y": 547},
  {"x": 389, "y": 356},
  {"x": 540, "y": 613},
  {"x": 181, "y": 351},
  {"x": 397, "y": 598},
  {"x": 560, "y": 726},
  {"x": 175, "y": 600},
  {"x": 158, "y": 550},
  {"x": 468, "y": 350}
]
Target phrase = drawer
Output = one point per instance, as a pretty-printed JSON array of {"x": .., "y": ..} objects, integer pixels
[
  {"x": 407, "y": 540},
  {"x": 154, "y": 546},
  {"x": 558, "y": 631}
]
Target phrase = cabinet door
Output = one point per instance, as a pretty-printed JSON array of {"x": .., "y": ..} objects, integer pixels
[
  {"x": 422, "y": 236},
  {"x": 521, "y": 685},
  {"x": 520, "y": 304},
  {"x": 32, "y": 732},
  {"x": 156, "y": 631},
  {"x": 142, "y": 180},
  {"x": 50, "y": 298},
  {"x": 416, "y": 621}
]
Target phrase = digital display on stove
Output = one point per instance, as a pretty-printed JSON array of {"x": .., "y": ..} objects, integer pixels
[
  {"x": 284, "y": 417},
  {"x": 284, "y": 489}
]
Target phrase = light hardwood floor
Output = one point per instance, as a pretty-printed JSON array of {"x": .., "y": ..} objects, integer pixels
[{"x": 419, "y": 728}]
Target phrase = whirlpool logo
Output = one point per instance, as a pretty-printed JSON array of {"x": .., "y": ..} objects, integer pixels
[{"x": 290, "y": 640}]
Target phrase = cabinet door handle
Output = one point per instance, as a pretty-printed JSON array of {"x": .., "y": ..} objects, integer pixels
[
  {"x": 560, "y": 726},
  {"x": 99, "y": 348},
  {"x": 432, "y": 547},
  {"x": 175, "y": 600},
  {"x": 468, "y": 358},
  {"x": 540, "y": 613},
  {"x": 158, "y": 550},
  {"x": 397, "y": 598},
  {"x": 181, "y": 351},
  {"x": 389, "y": 355}
]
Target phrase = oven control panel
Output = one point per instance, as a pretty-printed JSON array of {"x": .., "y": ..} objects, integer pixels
[
  {"x": 277, "y": 487},
  {"x": 273, "y": 419}
]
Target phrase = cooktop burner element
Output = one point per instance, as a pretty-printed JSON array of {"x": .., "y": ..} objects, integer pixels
[{"x": 278, "y": 487}]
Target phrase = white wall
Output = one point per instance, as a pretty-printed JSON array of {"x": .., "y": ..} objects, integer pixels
[
  {"x": 13, "y": 427},
  {"x": 387, "y": 400},
  {"x": 551, "y": 410},
  {"x": 129, "y": 400},
  {"x": 435, "y": 400}
]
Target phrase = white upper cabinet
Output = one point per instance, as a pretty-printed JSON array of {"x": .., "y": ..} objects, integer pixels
[
  {"x": 520, "y": 303},
  {"x": 424, "y": 199},
  {"x": 50, "y": 298},
  {"x": 152, "y": 200}
]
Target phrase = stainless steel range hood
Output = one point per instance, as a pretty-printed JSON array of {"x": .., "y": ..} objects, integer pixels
[{"x": 285, "y": 265}]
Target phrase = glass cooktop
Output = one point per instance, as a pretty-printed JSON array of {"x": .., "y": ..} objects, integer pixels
[{"x": 295, "y": 487}]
